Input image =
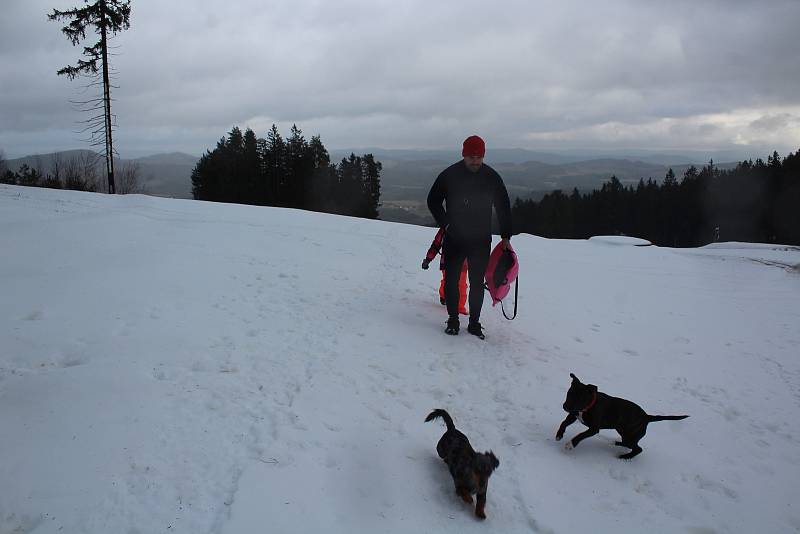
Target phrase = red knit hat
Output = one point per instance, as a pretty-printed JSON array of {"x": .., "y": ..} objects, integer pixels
[{"x": 474, "y": 146}]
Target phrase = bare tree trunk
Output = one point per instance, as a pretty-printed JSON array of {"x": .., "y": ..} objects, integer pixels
[
  {"x": 38, "y": 164},
  {"x": 107, "y": 102},
  {"x": 56, "y": 170},
  {"x": 88, "y": 171}
]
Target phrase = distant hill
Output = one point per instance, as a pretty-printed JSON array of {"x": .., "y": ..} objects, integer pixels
[
  {"x": 168, "y": 175},
  {"x": 43, "y": 162},
  {"x": 519, "y": 155},
  {"x": 508, "y": 155},
  {"x": 408, "y": 174},
  {"x": 163, "y": 175}
]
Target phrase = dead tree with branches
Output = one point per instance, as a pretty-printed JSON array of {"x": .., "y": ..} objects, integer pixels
[{"x": 107, "y": 17}]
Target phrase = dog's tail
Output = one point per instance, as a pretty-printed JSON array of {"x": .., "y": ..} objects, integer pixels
[
  {"x": 651, "y": 418},
  {"x": 444, "y": 415}
]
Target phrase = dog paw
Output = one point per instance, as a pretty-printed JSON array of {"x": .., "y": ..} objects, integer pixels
[
  {"x": 559, "y": 436},
  {"x": 569, "y": 446},
  {"x": 480, "y": 515}
]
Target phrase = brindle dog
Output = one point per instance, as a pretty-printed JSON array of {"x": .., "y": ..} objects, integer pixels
[
  {"x": 470, "y": 470},
  {"x": 598, "y": 410}
]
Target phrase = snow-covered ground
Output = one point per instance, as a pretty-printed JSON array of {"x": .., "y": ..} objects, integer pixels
[
  {"x": 620, "y": 240},
  {"x": 180, "y": 366}
]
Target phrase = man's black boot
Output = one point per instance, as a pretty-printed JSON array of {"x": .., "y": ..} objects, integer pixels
[
  {"x": 452, "y": 326},
  {"x": 475, "y": 329}
]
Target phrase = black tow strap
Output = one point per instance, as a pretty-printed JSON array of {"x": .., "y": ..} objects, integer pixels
[{"x": 516, "y": 292}]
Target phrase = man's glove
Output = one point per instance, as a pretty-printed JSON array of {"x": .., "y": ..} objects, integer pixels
[{"x": 425, "y": 264}]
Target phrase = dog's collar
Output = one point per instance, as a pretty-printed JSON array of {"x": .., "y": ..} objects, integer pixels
[{"x": 589, "y": 407}]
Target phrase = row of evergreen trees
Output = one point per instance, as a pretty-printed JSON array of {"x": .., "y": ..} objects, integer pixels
[
  {"x": 757, "y": 202},
  {"x": 292, "y": 173}
]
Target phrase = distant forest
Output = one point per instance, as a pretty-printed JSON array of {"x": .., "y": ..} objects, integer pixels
[
  {"x": 292, "y": 173},
  {"x": 756, "y": 202}
]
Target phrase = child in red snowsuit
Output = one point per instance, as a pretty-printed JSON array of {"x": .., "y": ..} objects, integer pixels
[{"x": 435, "y": 248}]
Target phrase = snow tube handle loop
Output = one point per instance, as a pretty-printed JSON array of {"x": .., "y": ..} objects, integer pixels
[{"x": 516, "y": 294}]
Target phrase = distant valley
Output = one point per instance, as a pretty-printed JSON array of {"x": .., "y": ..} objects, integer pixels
[{"x": 408, "y": 174}]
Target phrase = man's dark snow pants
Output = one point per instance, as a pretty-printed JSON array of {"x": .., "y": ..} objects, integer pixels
[{"x": 477, "y": 255}]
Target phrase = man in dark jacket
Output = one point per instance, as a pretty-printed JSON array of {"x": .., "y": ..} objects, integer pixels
[{"x": 468, "y": 190}]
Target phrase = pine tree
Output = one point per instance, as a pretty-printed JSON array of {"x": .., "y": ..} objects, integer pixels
[
  {"x": 275, "y": 167},
  {"x": 297, "y": 168},
  {"x": 207, "y": 175},
  {"x": 251, "y": 172},
  {"x": 371, "y": 173},
  {"x": 669, "y": 179},
  {"x": 234, "y": 167},
  {"x": 347, "y": 191},
  {"x": 786, "y": 214},
  {"x": 107, "y": 17},
  {"x": 320, "y": 184}
]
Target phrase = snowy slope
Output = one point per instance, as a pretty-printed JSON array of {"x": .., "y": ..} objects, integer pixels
[{"x": 180, "y": 366}]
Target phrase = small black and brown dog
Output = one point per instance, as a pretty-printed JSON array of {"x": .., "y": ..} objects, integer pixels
[
  {"x": 598, "y": 410},
  {"x": 470, "y": 470}
]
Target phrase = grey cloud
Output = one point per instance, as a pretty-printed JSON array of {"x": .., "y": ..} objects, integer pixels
[
  {"x": 417, "y": 74},
  {"x": 771, "y": 122}
]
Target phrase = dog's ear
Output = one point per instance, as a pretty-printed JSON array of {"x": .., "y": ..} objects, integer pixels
[
  {"x": 495, "y": 461},
  {"x": 574, "y": 378}
]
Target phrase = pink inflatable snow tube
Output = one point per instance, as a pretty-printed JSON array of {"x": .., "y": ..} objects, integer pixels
[{"x": 498, "y": 292}]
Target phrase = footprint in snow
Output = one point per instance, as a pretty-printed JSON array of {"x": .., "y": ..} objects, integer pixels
[
  {"x": 710, "y": 485},
  {"x": 34, "y": 316}
]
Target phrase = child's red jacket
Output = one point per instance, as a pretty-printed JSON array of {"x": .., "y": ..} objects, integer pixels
[{"x": 436, "y": 247}]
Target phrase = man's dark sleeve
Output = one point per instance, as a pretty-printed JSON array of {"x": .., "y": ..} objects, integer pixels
[
  {"x": 436, "y": 200},
  {"x": 503, "y": 207}
]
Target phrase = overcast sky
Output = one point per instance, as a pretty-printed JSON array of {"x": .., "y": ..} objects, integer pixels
[{"x": 646, "y": 74}]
